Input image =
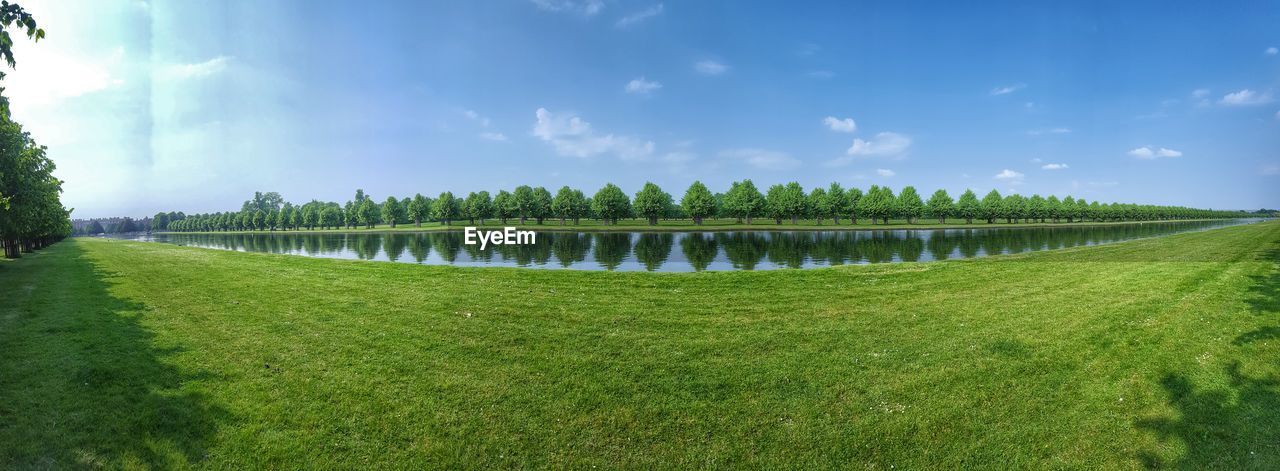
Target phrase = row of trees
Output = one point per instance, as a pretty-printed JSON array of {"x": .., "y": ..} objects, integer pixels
[
  {"x": 743, "y": 202},
  {"x": 31, "y": 211}
]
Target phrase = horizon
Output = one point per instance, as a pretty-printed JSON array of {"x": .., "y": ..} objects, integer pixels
[{"x": 171, "y": 106}]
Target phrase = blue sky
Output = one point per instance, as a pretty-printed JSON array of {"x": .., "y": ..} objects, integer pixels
[{"x": 164, "y": 105}]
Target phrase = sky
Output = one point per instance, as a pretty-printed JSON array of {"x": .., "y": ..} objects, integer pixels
[{"x": 156, "y": 105}]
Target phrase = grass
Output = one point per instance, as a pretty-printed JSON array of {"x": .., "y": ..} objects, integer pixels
[
  {"x": 682, "y": 225},
  {"x": 1161, "y": 352}
]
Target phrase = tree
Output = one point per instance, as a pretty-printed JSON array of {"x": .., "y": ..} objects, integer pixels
[
  {"x": 1037, "y": 208},
  {"x": 160, "y": 221},
  {"x": 523, "y": 202},
  {"x": 1068, "y": 209},
  {"x": 1015, "y": 208},
  {"x": 478, "y": 205},
  {"x": 391, "y": 211},
  {"x": 854, "y": 197},
  {"x": 367, "y": 211},
  {"x": 818, "y": 204},
  {"x": 968, "y": 207},
  {"x": 941, "y": 206},
  {"x": 838, "y": 202},
  {"x": 540, "y": 209},
  {"x": 568, "y": 204},
  {"x": 419, "y": 209},
  {"x": 1053, "y": 208},
  {"x": 446, "y": 208},
  {"x": 992, "y": 207},
  {"x": 13, "y": 15},
  {"x": 651, "y": 202},
  {"x": 698, "y": 202},
  {"x": 610, "y": 203},
  {"x": 259, "y": 219},
  {"x": 909, "y": 204},
  {"x": 744, "y": 201},
  {"x": 504, "y": 206}
]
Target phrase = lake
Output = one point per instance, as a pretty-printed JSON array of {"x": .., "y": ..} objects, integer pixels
[{"x": 687, "y": 251}]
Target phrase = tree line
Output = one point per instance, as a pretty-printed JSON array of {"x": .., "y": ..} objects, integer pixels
[
  {"x": 31, "y": 211},
  {"x": 743, "y": 203}
]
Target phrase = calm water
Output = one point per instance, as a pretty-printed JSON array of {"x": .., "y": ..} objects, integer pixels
[{"x": 688, "y": 251}]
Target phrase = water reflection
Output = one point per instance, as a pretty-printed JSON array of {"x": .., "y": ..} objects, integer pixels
[{"x": 687, "y": 251}]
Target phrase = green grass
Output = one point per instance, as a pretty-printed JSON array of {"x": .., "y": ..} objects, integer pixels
[
  {"x": 1162, "y": 352},
  {"x": 680, "y": 225}
]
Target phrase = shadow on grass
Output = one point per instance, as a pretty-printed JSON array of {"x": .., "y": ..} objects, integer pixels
[
  {"x": 81, "y": 383},
  {"x": 1237, "y": 427}
]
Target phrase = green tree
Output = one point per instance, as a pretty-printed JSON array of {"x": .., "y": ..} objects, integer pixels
[
  {"x": 909, "y": 204},
  {"x": 611, "y": 204},
  {"x": 819, "y": 205},
  {"x": 504, "y": 205},
  {"x": 1037, "y": 208},
  {"x": 568, "y": 204},
  {"x": 854, "y": 197},
  {"x": 540, "y": 209},
  {"x": 698, "y": 202},
  {"x": 651, "y": 203},
  {"x": 968, "y": 207},
  {"x": 744, "y": 201},
  {"x": 12, "y": 15},
  {"x": 1053, "y": 208},
  {"x": 838, "y": 202},
  {"x": 446, "y": 208},
  {"x": 992, "y": 207},
  {"x": 523, "y": 201},
  {"x": 1015, "y": 208},
  {"x": 391, "y": 211},
  {"x": 1068, "y": 209},
  {"x": 419, "y": 209},
  {"x": 941, "y": 206},
  {"x": 367, "y": 211}
]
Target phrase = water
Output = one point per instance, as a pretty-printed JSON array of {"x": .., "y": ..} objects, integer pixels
[{"x": 688, "y": 251}]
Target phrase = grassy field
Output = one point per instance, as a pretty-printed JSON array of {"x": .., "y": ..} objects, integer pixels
[
  {"x": 1161, "y": 352},
  {"x": 680, "y": 225}
]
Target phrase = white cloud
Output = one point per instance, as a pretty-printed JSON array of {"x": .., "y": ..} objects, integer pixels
[
  {"x": 642, "y": 86},
  {"x": 571, "y": 136},
  {"x": 50, "y": 76},
  {"x": 474, "y": 116},
  {"x": 584, "y": 7},
  {"x": 639, "y": 16},
  {"x": 1271, "y": 51},
  {"x": 1271, "y": 170},
  {"x": 762, "y": 159},
  {"x": 1038, "y": 132},
  {"x": 709, "y": 67},
  {"x": 1200, "y": 93},
  {"x": 884, "y": 172},
  {"x": 1245, "y": 97},
  {"x": 1010, "y": 175},
  {"x": 883, "y": 144},
  {"x": 820, "y": 74},
  {"x": 1147, "y": 153},
  {"x": 493, "y": 136},
  {"x": 840, "y": 125},
  {"x": 1054, "y": 166},
  {"x": 1005, "y": 90},
  {"x": 195, "y": 70}
]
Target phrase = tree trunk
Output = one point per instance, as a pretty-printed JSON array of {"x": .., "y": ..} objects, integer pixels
[
  {"x": 697, "y": 220},
  {"x": 837, "y": 219},
  {"x": 793, "y": 219}
]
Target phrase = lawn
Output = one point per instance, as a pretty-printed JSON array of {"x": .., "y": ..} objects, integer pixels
[{"x": 1161, "y": 352}]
